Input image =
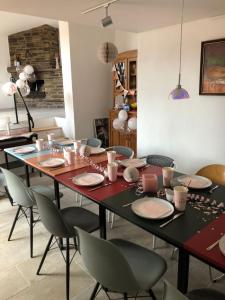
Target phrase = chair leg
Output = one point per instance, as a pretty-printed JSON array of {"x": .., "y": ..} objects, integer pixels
[
  {"x": 112, "y": 220},
  {"x": 125, "y": 296},
  {"x": 213, "y": 280},
  {"x": 44, "y": 255},
  {"x": 94, "y": 291},
  {"x": 8, "y": 195},
  {"x": 14, "y": 222},
  {"x": 153, "y": 242},
  {"x": 152, "y": 295},
  {"x": 31, "y": 231},
  {"x": 67, "y": 268}
]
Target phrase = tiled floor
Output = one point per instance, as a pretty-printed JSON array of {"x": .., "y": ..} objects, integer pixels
[{"x": 17, "y": 271}]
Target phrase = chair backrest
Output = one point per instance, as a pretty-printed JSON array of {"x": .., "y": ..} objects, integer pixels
[
  {"x": 18, "y": 191},
  {"x": 106, "y": 263},
  {"x": 171, "y": 293},
  {"x": 214, "y": 172},
  {"x": 51, "y": 217},
  {"x": 125, "y": 151},
  {"x": 160, "y": 160},
  {"x": 93, "y": 142}
]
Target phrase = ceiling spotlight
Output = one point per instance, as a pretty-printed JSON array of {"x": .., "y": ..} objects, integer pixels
[{"x": 107, "y": 21}]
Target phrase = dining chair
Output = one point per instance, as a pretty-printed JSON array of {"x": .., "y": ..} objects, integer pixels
[
  {"x": 171, "y": 293},
  {"x": 129, "y": 153},
  {"x": 93, "y": 142},
  {"x": 120, "y": 266},
  {"x": 216, "y": 173},
  {"x": 22, "y": 196},
  {"x": 60, "y": 224},
  {"x": 160, "y": 161},
  {"x": 125, "y": 151}
]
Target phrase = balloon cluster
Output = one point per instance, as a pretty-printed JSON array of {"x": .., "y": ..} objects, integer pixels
[
  {"x": 122, "y": 122},
  {"x": 26, "y": 74}
]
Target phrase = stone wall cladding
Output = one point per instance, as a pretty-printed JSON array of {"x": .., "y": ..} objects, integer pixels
[{"x": 38, "y": 47}]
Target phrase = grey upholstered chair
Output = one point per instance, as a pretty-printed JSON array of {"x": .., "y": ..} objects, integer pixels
[
  {"x": 125, "y": 151},
  {"x": 171, "y": 293},
  {"x": 93, "y": 142},
  {"x": 22, "y": 196},
  {"x": 60, "y": 224},
  {"x": 120, "y": 266}
]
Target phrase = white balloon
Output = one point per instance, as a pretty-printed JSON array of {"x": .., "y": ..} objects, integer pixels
[
  {"x": 9, "y": 88},
  {"x": 123, "y": 115},
  {"x": 20, "y": 83},
  {"x": 23, "y": 76},
  {"x": 25, "y": 91},
  {"x": 132, "y": 123},
  {"x": 28, "y": 69},
  {"x": 118, "y": 124}
]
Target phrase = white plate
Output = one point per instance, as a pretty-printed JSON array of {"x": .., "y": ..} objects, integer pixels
[
  {"x": 194, "y": 181},
  {"x": 133, "y": 162},
  {"x": 222, "y": 245},
  {"x": 52, "y": 162},
  {"x": 97, "y": 150},
  {"x": 88, "y": 179},
  {"x": 24, "y": 150},
  {"x": 152, "y": 208}
]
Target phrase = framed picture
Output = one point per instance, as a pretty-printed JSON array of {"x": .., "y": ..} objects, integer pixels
[
  {"x": 212, "y": 68},
  {"x": 101, "y": 129}
]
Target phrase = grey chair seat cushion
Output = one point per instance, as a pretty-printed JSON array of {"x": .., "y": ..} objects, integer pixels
[
  {"x": 45, "y": 191},
  {"x": 205, "y": 294},
  {"x": 80, "y": 217},
  {"x": 147, "y": 266}
]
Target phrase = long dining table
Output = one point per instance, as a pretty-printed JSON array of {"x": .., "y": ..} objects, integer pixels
[{"x": 191, "y": 233}]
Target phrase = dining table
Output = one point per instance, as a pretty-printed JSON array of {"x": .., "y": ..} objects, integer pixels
[{"x": 191, "y": 233}]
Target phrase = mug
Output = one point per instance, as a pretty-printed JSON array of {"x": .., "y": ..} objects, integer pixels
[
  {"x": 111, "y": 155},
  {"x": 112, "y": 171},
  {"x": 150, "y": 183},
  {"x": 69, "y": 156},
  {"x": 40, "y": 144},
  {"x": 180, "y": 197},
  {"x": 77, "y": 144},
  {"x": 167, "y": 175}
]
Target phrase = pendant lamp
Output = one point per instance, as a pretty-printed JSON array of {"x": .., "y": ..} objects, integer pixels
[{"x": 180, "y": 93}]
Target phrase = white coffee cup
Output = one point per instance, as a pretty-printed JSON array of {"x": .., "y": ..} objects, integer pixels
[
  {"x": 112, "y": 171},
  {"x": 167, "y": 175},
  {"x": 77, "y": 144},
  {"x": 111, "y": 155},
  {"x": 40, "y": 144},
  {"x": 180, "y": 197},
  {"x": 69, "y": 156}
]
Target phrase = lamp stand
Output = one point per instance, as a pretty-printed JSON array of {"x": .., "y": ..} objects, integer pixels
[{"x": 15, "y": 103}]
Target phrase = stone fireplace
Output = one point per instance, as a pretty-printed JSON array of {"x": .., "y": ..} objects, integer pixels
[{"x": 39, "y": 47}]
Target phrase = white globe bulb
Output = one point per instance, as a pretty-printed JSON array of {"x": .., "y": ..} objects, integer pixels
[
  {"x": 23, "y": 76},
  {"x": 25, "y": 91},
  {"x": 132, "y": 123},
  {"x": 20, "y": 83},
  {"x": 123, "y": 115},
  {"x": 118, "y": 124},
  {"x": 9, "y": 88},
  {"x": 28, "y": 69}
]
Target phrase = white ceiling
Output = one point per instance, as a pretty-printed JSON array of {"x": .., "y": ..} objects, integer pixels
[
  {"x": 21, "y": 22},
  {"x": 128, "y": 15}
]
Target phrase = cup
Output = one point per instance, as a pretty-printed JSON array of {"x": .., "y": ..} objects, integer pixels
[
  {"x": 111, "y": 155},
  {"x": 150, "y": 183},
  {"x": 167, "y": 175},
  {"x": 180, "y": 197},
  {"x": 112, "y": 171},
  {"x": 69, "y": 156},
  {"x": 77, "y": 144},
  {"x": 50, "y": 136},
  {"x": 40, "y": 144}
]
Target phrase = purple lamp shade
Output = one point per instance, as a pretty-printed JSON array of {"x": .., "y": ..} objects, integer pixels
[{"x": 179, "y": 93}]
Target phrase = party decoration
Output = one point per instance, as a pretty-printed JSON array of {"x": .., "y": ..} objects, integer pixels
[
  {"x": 28, "y": 69},
  {"x": 122, "y": 115},
  {"x": 9, "y": 88},
  {"x": 20, "y": 83},
  {"x": 23, "y": 76},
  {"x": 114, "y": 68},
  {"x": 118, "y": 83},
  {"x": 118, "y": 124},
  {"x": 131, "y": 174},
  {"x": 107, "y": 52},
  {"x": 25, "y": 91},
  {"x": 132, "y": 123}
]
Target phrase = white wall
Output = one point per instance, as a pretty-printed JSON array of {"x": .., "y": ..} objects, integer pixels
[
  {"x": 191, "y": 131},
  {"x": 92, "y": 91},
  {"x": 126, "y": 40},
  {"x": 5, "y": 101}
]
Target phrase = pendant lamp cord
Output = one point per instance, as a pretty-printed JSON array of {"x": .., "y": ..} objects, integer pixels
[{"x": 181, "y": 40}]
